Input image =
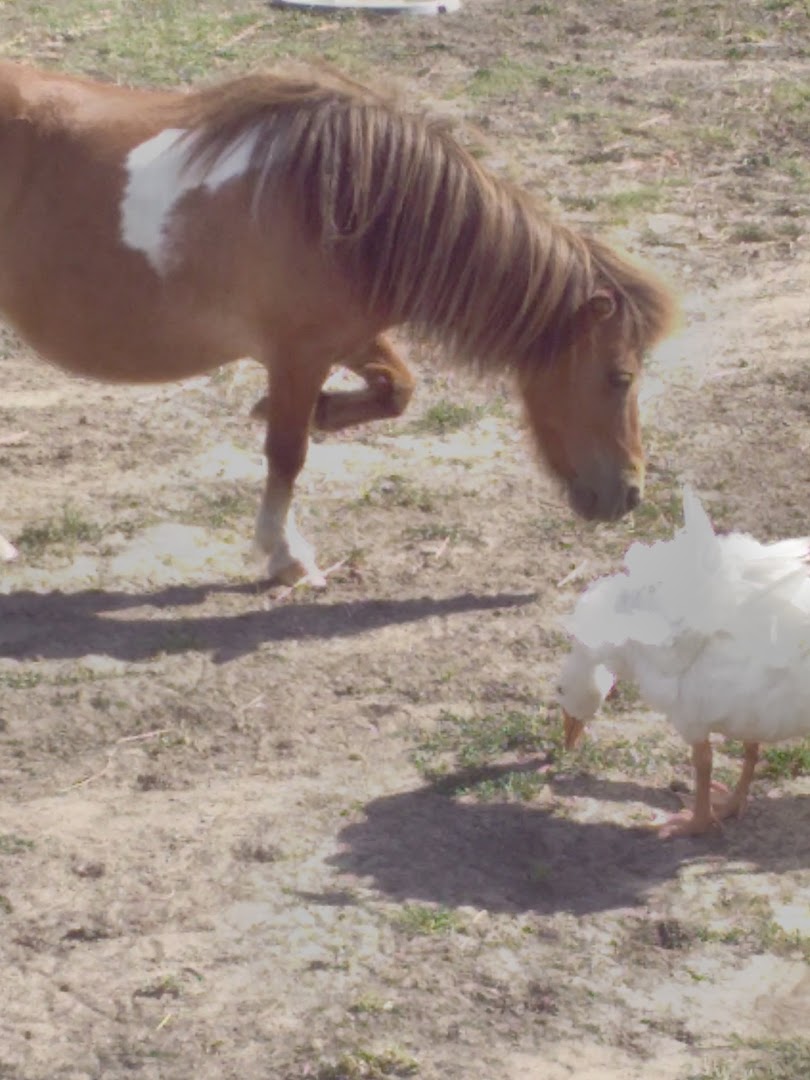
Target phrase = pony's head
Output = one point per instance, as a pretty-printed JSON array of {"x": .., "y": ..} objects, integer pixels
[
  {"x": 582, "y": 408},
  {"x": 581, "y": 393}
]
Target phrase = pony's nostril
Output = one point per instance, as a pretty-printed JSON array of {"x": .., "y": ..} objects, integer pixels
[{"x": 633, "y": 497}]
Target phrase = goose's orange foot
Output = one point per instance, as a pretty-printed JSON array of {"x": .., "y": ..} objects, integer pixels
[
  {"x": 731, "y": 804},
  {"x": 725, "y": 803},
  {"x": 686, "y": 823}
]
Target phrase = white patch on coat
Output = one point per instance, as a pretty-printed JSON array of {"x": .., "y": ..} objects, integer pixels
[{"x": 158, "y": 179}]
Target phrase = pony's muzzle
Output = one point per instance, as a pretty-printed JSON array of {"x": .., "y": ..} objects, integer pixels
[{"x": 604, "y": 498}]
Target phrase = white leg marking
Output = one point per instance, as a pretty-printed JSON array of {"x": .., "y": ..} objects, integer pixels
[{"x": 277, "y": 536}]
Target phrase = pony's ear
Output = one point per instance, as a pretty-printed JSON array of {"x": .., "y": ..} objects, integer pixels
[{"x": 600, "y": 306}]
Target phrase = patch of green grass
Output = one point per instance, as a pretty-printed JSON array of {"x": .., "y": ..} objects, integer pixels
[
  {"x": 509, "y": 786},
  {"x": 624, "y": 697},
  {"x": 791, "y": 96},
  {"x": 170, "y": 42},
  {"x": 713, "y": 137},
  {"x": 166, "y": 986},
  {"x": 472, "y": 742},
  {"x": 462, "y": 755},
  {"x": 14, "y": 845},
  {"x": 435, "y": 530},
  {"x": 754, "y": 927},
  {"x": 762, "y": 1059},
  {"x": 750, "y": 232},
  {"x": 369, "y": 1065},
  {"x": 639, "y": 755},
  {"x": 63, "y": 533},
  {"x": 20, "y": 680},
  {"x": 502, "y": 78},
  {"x": 169, "y": 740},
  {"x": 78, "y": 676},
  {"x": 622, "y": 205},
  {"x": 446, "y": 416},
  {"x": 731, "y": 936},
  {"x": 418, "y": 919},
  {"x": 222, "y": 508},
  {"x": 772, "y": 938},
  {"x": 397, "y": 490},
  {"x": 370, "y": 1005},
  {"x": 787, "y": 762},
  {"x": 588, "y": 203},
  {"x": 586, "y": 71},
  {"x": 780, "y": 1059},
  {"x": 166, "y": 41}
]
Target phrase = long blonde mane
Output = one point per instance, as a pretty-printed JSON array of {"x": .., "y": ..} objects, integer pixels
[{"x": 426, "y": 235}]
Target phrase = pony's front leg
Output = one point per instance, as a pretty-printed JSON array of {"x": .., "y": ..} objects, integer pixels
[
  {"x": 289, "y": 409},
  {"x": 389, "y": 387}
]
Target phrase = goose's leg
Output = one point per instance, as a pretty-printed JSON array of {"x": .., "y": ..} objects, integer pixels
[
  {"x": 701, "y": 818},
  {"x": 734, "y": 804}
]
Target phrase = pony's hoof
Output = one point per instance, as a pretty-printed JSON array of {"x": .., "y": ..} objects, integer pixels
[
  {"x": 292, "y": 571},
  {"x": 295, "y": 573}
]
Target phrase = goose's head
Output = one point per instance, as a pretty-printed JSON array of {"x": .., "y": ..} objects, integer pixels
[{"x": 581, "y": 688}]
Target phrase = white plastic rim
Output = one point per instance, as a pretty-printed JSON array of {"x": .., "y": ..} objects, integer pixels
[{"x": 385, "y": 7}]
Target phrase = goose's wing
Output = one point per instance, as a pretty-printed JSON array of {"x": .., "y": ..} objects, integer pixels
[{"x": 611, "y": 612}]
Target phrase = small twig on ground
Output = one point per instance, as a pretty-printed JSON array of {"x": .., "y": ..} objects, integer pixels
[
  {"x": 440, "y": 550},
  {"x": 288, "y": 590},
  {"x": 144, "y": 735},
  {"x": 87, "y": 779},
  {"x": 249, "y": 31},
  {"x": 252, "y": 703},
  {"x": 577, "y": 572}
]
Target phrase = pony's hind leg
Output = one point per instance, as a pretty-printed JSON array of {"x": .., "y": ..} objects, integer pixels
[
  {"x": 288, "y": 411},
  {"x": 388, "y": 389}
]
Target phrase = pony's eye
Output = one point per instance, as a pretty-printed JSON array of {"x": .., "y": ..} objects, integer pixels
[{"x": 620, "y": 379}]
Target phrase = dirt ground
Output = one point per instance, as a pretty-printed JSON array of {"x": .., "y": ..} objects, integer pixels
[{"x": 277, "y": 835}]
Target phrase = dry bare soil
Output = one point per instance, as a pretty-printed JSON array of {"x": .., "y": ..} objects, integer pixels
[{"x": 276, "y": 836}]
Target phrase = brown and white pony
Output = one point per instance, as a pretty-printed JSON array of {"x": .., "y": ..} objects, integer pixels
[{"x": 146, "y": 236}]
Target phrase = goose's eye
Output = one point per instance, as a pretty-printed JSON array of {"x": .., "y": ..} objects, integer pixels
[{"x": 620, "y": 380}]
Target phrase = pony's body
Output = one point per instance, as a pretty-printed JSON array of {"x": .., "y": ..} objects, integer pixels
[{"x": 153, "y": 235}]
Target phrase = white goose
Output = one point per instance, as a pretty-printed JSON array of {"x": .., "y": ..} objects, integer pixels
[{"x": 715, "y": 630}]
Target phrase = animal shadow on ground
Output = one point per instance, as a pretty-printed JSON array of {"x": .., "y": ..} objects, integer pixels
[
  {"x": 71, "y": 625},
  {"x": 425, "y": 846}
]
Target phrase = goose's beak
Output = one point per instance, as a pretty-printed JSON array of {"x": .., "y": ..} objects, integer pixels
[{"x": 572, "y": 729}]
